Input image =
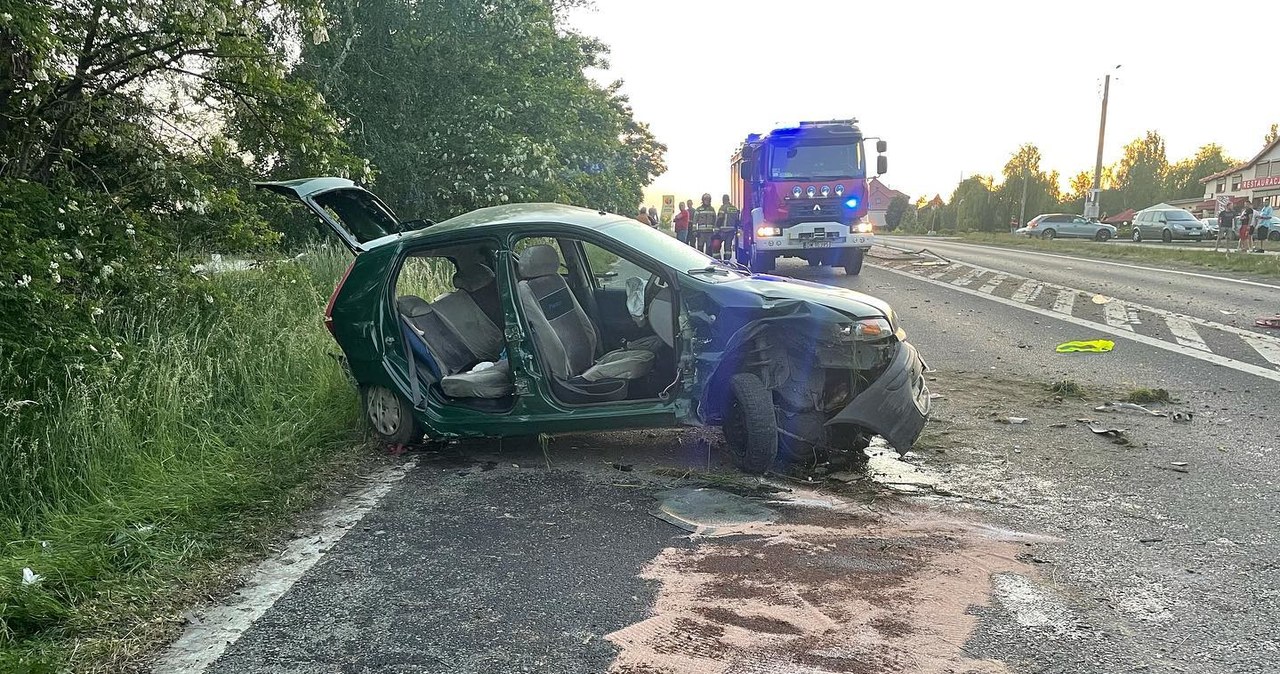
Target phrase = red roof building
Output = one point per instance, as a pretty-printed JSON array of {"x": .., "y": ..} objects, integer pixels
[{"x": 1254, "y": 180}]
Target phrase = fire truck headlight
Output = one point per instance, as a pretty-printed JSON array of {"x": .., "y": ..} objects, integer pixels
[
  {"x": 839, "y": 190},
  {"x": 768, "y": 230},
  {"x": 826, "y": 190},
  {"x": 863, "y": 227},
  {"x": 795, "y": 191},
  {"x": 851, "y": 202},
  {"x": 811, "y": 191}
]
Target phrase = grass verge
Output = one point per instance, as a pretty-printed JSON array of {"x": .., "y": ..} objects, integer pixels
[
  {"x": 1260, "y": 265},
  {"x": 128, "y": 493}
]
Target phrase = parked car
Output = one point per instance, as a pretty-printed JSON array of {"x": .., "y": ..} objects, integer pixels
[
  {"x": 569, "y": 319},
  {"x": 1210, "y": 227},
  {"x": 1065, "y": 225},
  {"x": 1167, "y": 224}
]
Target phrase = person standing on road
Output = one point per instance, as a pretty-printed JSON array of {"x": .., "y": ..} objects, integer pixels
[
  {"x": 643, "y": 215},
  {"x": 726, "y": 226},
  {"x": 1264, "y": 225},
  {"x": 704, "y": 224},
  {"x": 681, "y": 223},
  {"x": 654, "y": 220},
  {"x": 1226, "y": 224},
  {"x": 1245, "y": 220}
]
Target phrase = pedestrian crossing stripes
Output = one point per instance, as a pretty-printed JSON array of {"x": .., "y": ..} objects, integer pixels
[{"x": 1228, "y": 345}]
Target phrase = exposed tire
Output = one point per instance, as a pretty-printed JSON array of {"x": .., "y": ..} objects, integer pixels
[
  {"x": 853, "y": 263},
  {"x": 1048, "y": 234},
  {"x": 750, "y": 428},
  {"x": 1273, "y": 235},
  {"x": 1102, "y": 235},
  {"x": 1166, "y": 236},
  {"x": 389, "y": 416},
  {"x": 1137, "y": 235}
]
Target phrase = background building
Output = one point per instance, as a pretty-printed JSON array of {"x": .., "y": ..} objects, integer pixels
[
  {"x": 880, "y": 195},
  {"x": 1259, "y": 178}
]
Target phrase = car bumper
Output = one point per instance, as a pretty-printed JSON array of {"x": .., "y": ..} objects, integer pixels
[
  {"x": 1187, "y": 235},
  {"x": 895, "y": 406}
]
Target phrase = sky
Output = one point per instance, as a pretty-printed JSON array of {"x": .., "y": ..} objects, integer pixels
[{"x": 953, "y": 87}]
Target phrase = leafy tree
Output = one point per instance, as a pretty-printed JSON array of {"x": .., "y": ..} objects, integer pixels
[
  {"x": 1142, "y": 172},
  {"x": 473, "y": 103},
  {"x": 898, "y": 207},
  {"x": 1042, "y": 192},
  {"x": 1079, "y": 188},
  {"x": 1183, "y": 178},
  {"x": 972, "y": 204},
  {"x": 1272, "y": 134}
]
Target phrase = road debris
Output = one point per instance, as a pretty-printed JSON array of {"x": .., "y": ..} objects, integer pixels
[
  {"x": 710, "y": 512},
  {"x": 1117, "y": 435},
  {"x": 1176, "y": 469},
  {"x": 1273, "y": 323},
  {"x": 1117, "y": 405},
  {"x": 1181, "y": 416},
  {"x": 624, "y": 467},
  {"x": 1086, "y": 346},
  {"x": 1101, "y": 299}
]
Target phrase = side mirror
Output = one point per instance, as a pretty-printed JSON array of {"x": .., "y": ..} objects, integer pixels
[
  {"x": 882, "y": 146},
  {"x": 882, "y": 164}
]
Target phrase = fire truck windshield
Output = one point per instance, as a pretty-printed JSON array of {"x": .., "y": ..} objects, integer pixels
[{"x": 815, "y": 162}]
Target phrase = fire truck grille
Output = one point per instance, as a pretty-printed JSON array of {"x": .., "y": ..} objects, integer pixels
[{"x": 803, "y": 210}]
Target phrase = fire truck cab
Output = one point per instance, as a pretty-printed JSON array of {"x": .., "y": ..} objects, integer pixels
[{"x": 802, "y": 191}]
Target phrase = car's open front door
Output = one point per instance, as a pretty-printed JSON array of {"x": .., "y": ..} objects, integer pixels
[{"x": 354, "y": 214}]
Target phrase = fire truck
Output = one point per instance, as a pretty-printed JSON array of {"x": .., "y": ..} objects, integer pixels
[{"x": 802, "y": 192}]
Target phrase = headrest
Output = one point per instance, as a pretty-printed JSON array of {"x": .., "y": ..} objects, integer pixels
[
  {"x": 541, "y": 260},
  {"x": 412, "y": 306},
  {"x": 472, "y": 277}
]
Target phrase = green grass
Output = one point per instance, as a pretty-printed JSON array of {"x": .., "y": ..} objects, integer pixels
[
  {"x": 1143, "y": 396},
  {"x": 1174, "y": 256},
  {"x": 129, "y": 492}
]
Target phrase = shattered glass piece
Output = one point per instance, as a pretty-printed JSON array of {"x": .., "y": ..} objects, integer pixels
[{"x": 710, "y": 512}]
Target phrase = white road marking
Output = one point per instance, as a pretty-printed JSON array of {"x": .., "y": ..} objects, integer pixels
[
  {"x": 970, "y": 276},
  {"x": 220, "y": 626},
  {"x": 1185, "y": 333},
  {"x": 1066, "y": 301},
  {"x": 1115, "y": 314},
  {"x": 1208, "y": 357},
  {"x": 1024, "y": 291},
  {"x": 1265, "y": 348},
  {"x": 1096, "y": 261},
  {"x": 939, "y": 274},
  {"x": 992, "y": 284}
]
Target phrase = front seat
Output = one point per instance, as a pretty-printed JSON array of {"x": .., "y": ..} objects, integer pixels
[{"x": 565, "y": 338}]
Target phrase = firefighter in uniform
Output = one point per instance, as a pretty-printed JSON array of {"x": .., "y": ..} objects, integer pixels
[
  {"x": 726, "y": 228},
  {"x": 704, "y": 225}
]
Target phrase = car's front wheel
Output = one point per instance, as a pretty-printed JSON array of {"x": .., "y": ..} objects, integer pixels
[
  {"x": 389, "y": 416},
  {"x": 1102, "y": 235},
  {"x": 1137, "y": 235},
  {"x": 1273, "y": 235},
  {"x": 750, "y": 427},
  {"x": 1166, "y": 236},
  {"x": 1048, "y": 234}
]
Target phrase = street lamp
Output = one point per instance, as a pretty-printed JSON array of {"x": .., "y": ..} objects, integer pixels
[{"x": 1092, "y": 207}]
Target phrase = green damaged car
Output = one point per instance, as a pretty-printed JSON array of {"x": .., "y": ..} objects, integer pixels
[{"x": 567, "y": 319}]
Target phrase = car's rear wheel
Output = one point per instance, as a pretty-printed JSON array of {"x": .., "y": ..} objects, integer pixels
[
  {"x": 389, "y": 416},
  {"x": 1137, "y": 235},
  {"x": 750, "y": 428},
  {"x": 1102, "y": 235},
  {"x": 1166, "y": 236},
  {"x": 1048, "y": 234},
  {"x": 1273, "y": 235},
  {"x": 853, "y": 262}
]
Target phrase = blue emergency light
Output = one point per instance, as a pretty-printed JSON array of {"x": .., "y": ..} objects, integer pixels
[{"x": 851, "y": 202}]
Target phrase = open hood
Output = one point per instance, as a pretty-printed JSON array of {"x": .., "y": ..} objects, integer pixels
[{"x": 355, "y": 215}]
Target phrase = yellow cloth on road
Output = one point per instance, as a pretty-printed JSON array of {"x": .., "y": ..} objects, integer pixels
[{"x": 1087, "y": 346}]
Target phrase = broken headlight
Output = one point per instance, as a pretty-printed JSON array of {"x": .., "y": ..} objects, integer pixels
[{"x": 868, "y": 329}]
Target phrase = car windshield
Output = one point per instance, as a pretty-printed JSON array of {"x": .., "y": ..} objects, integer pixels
[
  {"x": 812, "y": 162},
  {"x": 669, "y": 251},
  {"x": 1180, "y": 216}
]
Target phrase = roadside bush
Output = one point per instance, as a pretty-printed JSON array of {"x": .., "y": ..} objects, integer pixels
[{"x": 120, "y": 478}]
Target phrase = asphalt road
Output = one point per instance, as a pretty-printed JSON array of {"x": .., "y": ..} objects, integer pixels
[{"x": 1034, "y": 547}]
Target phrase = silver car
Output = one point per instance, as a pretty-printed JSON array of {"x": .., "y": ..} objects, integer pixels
[{"x": 1167, "y": 225}]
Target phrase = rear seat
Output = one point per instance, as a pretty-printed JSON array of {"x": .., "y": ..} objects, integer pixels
[{"x": 461, "y": 333}]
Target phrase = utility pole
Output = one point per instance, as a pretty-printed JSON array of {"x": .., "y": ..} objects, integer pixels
[
  {"x": 1093, "y": 207},
  {"x": 1022, "y": 213}
]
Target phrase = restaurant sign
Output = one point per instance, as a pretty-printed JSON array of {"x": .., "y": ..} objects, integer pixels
[{"x": 1260, "y": 182}]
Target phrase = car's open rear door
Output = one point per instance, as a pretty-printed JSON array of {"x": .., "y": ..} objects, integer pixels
[{"x": 354, "y": 214}]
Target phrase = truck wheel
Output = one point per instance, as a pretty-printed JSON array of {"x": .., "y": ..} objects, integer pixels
[
  {"x": 761, "y": 262},
  {"x": 853, "y": 262},
  {"x": 750, "y": 428},
  {"x": 813, "y": 261},
  {"x": 389, "y": 416}
]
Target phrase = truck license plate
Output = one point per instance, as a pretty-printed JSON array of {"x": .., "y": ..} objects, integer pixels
[{"x": 822, "y": 243}]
